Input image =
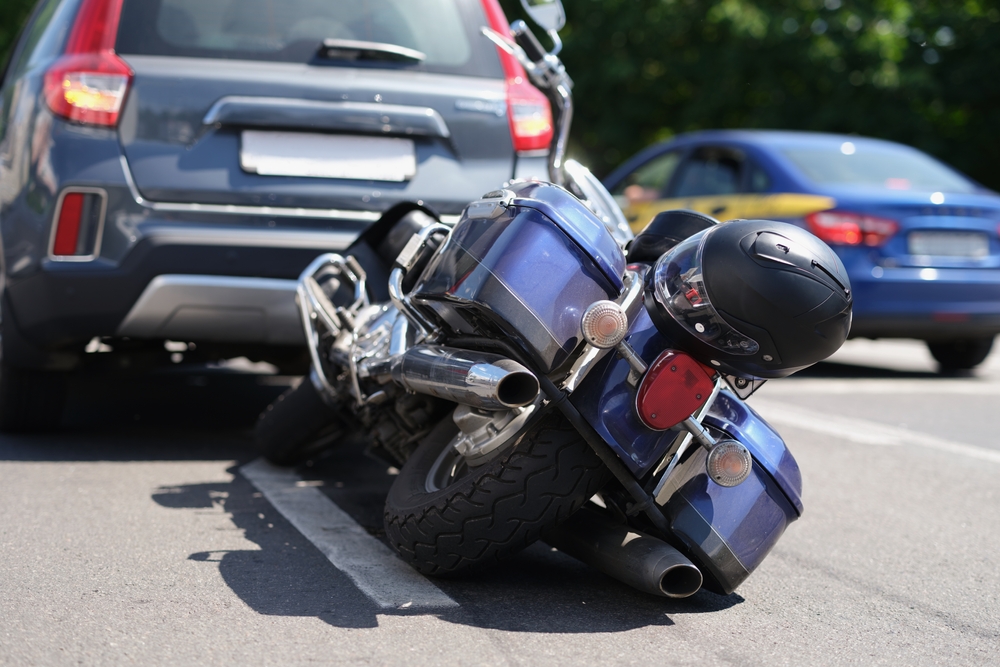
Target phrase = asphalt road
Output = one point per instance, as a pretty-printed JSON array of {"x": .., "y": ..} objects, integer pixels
[{"x": 138, "y": 537}]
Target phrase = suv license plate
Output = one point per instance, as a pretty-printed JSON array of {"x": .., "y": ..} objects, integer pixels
[
  {"x": 949, "y": 244},
  {"x": 327, "y": 156}
]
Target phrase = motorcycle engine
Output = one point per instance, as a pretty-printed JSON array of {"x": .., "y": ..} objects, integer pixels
[{"x": 393, "y": 419}]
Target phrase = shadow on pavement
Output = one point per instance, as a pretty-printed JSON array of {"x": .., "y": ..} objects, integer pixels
[
  {"x": 541, "y": 590},
  {"x": 183, "y": 413},
  {"x": 189, "y": 414}
]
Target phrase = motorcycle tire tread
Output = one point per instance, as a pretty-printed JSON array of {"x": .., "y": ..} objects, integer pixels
[{"x": 498, "y": 510}]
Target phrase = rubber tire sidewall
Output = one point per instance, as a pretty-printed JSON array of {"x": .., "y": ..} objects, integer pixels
[
  {"x": 960, "y": 354},
  {"x": 498, "y": 509},
  {"x": 297, "y": 426}
]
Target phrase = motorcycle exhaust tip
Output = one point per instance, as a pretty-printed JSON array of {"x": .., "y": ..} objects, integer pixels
[
  {"x": 642, "y": 561},
  {"x": 486, "y": 381},
  {"x": 518, "y": 387},
  {"x": 681, "y": 580}
]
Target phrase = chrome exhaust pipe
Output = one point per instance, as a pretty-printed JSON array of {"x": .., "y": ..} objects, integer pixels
[
  {"x": 486, "y": 381},
  {"x": 642, "y": 561}
]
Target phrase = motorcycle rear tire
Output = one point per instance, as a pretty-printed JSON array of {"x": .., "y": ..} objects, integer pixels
[
  {"x": 297, "y": 426},
  {"x": 494, "y": 510}
]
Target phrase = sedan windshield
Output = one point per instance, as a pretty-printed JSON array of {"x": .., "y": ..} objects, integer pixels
[{"x": 876, "y": 166}]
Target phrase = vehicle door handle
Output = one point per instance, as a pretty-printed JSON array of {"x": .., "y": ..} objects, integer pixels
[{"x": 719, "y": 209}]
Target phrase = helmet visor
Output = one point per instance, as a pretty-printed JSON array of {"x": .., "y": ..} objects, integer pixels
[{"x": 679, "y": 287}]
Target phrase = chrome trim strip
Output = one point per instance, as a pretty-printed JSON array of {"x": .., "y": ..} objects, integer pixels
[
  {"x": 267, "y": 211},
  {"x": 222, "y": 308},
  {"x": 261, "y": 211},
  {"x": 100, "y": 225},
  {"x": 400, "y": 111},
  {"x": 249, "y": 238}
]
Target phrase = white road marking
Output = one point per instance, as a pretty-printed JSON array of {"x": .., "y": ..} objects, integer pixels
[
  {"x": 969, "y": 387},
  {"x": 864, "y": 431},
  {"x": 374, "y": 569}
]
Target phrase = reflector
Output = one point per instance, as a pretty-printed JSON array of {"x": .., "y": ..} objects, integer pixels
[
  {"x": 68, "y": 227},
  {"x": 729, "y": 463},
  {"x": 77, "y": 225},
  {"x": 672, "y": 390}
]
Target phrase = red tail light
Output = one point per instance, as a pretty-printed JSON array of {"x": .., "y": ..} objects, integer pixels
[
  {"x": 89, "y": 82},
  {"x": 845, "y": 228},
  {"x": 527, "y": 108},
  {"x": 673, "y": 388}
]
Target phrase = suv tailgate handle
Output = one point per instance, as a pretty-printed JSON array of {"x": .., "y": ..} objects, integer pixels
[{"x": 318, "y": 115}]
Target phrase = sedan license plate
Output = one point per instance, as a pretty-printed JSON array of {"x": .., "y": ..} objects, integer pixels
[
  {"x": 327, "y": 156},
  {"x": 949, "y": 244}
]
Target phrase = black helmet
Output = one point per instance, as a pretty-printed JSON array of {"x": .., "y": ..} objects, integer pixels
[{"x": 754, "y": 298}]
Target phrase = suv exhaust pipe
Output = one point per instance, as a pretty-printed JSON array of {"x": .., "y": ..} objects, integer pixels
[
  {"x": 642, "y": 561},
  {"x": 485, "y": 381}
]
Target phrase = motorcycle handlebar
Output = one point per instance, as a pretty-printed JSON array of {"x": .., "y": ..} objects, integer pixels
[{"x": 527, "y": 41}]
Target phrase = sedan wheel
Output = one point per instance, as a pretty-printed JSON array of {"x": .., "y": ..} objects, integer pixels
[{"x": 960, "y": 354}]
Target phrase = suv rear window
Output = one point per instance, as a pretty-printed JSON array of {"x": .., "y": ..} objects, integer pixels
[
  {"x": 878, "y": 166},
  {"x": 446, "y": 31}
]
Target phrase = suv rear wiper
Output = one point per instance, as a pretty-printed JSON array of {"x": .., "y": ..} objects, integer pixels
[{"x": 349, "y": 49}]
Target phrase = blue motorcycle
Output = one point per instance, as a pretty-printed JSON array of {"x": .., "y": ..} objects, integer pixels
[{"x": 536, "y": 374}]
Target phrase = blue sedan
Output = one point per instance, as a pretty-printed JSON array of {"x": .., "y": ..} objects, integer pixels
[{"x": 919, "y": 240}]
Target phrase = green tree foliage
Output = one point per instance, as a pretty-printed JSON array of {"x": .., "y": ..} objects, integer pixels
[
  {"x": 13, "y": 14},
  {"x": 922, "y": 72}
]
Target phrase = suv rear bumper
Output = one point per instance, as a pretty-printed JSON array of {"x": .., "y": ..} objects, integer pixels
[
  {"x": 165, "y": 289},
  {"x": 216, "y": 308}
]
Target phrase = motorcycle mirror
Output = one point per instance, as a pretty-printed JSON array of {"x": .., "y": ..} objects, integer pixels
[{"x": 547, "y": 13}]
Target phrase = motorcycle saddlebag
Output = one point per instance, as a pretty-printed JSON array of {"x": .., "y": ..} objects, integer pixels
[
  {"x": 727, "y": 531},
  {"x": 526, "y": 267}
]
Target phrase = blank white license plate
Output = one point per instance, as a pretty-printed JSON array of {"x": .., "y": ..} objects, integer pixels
[
  {"x": 949, "y": 244},
  {"x": 327, "y": 156}
]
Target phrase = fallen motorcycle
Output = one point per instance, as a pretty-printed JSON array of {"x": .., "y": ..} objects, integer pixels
[{"x": 532, "y": 379}]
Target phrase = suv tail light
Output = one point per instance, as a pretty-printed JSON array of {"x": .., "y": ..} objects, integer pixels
[
  {"x": 76, "y": 235},
  {"x": 527, "y": 108},
  {"x": 88, "y": 83},
  {"x": 845, "y": 228}
]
